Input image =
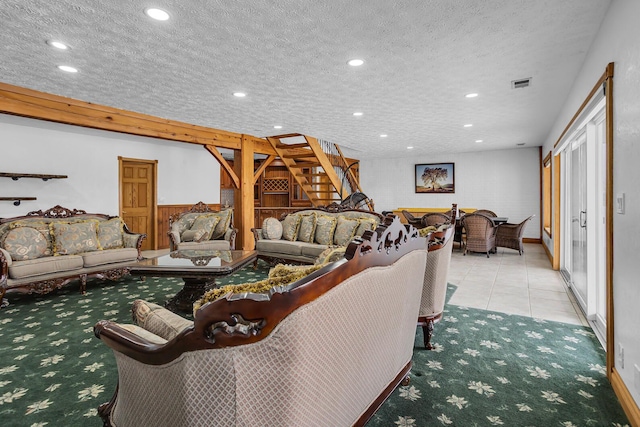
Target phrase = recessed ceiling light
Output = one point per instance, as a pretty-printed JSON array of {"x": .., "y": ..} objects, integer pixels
[
  {"x": 471, "y": 95},
  {"x": 277, "y": 127},
  {"x": 57, "y": 44},
  {"x": 157, "y": 14},
  {"x": 384, "y": 135},
  {"x": 478, "y": 140},
  {"x": 67, "y": 69},
  {"x": 468, "y": 125},
  {"x": 239, "y": 94},
  {"x": 355, "y": 62},
  {"x": 357, "y": 113},
  {"x": 409, "y": 148}
]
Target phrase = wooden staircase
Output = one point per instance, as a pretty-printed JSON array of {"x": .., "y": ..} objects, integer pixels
[{"x": 318, "y": 167}]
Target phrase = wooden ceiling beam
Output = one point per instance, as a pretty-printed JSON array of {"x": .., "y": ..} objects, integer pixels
[{"x": 223, "y": 162}]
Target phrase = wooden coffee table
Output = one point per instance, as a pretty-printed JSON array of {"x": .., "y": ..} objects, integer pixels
[{"x": 198, "y": 269}]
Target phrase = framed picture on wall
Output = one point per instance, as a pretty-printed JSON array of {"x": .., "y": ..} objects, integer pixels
[{"x": 435, "y": 178}]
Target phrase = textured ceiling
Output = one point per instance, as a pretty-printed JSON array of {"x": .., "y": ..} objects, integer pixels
[{"x": 290, "y": 57}]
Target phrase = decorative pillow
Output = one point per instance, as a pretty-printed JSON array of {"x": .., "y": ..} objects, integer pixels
[
  {"x": 365, "y": 224},
  {"x": 193, "y": 235},
  {"x": 280, "y": 275},
  {"x": 74, "y": 238},
  {"x": 426, "y": 230},
  {"x": 290, "y": 226},
  {"x": 325, "y": 226},
  {"x": 42, "y": 227},
  {"x": 158, "y": 320},
  {"x": 110, "y": 233},
  {"x": 183, "y": 223},
  {"x": 203, "y": 228},
  {"x": 307, "y": 228},
  {"x": 331, "y": 254},
  {"x": 24, "y": 243},
  {"x": 271, "y": 229},
  {"x": 222, "y": 226},
  {"x": 345, "y": 229}
]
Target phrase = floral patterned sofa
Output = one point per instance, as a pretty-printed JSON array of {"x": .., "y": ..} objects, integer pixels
[
  {"x": 301, "y": 236},
  {"x": 201, "y": 228},
  {"x": 301, "y": 354},
  {"x": 43, "y": 251}
]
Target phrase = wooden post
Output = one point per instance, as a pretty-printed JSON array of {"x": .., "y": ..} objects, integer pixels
[{"x": 243, "y": 208}]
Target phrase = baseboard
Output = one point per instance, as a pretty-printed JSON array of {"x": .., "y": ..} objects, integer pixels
[
  {"x": 531, "y": 240},
  {"x": 546, "y": 249},
  {"x": 629, "y": 405}
]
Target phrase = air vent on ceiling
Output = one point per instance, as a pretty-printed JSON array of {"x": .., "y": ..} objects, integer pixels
[
  {"x": 520, "y": 144},
  {"x": 518, "y": 84}
]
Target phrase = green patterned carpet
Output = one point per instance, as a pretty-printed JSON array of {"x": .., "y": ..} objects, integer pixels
[{"x": 487, "y": 369}]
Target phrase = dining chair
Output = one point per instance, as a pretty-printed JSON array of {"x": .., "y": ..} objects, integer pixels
[
  {"x": 509, "y": 235},
  {"x": 486, "y": 212},
  {"x": 480, "y": 233},
  {"x": 435, "y": 218}
]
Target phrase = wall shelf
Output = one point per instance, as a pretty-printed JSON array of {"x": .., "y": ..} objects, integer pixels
[
  {"x": 16, "y": 200},
  {"x": 44, "y": 177}
]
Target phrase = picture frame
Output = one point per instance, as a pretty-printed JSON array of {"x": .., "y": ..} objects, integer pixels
[{"x": 435, "y": 178}]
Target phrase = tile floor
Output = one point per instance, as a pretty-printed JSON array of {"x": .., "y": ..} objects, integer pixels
[{"x": 514, "y": 284}]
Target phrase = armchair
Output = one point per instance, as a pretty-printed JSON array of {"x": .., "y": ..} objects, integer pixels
[
  {"x": 202, "y": 228},
  {"x": 480, "y": 233},
  {"x": 434, "y": 218},
  {"x": 434, "y": 288},
  {"x": 416, "y": 222},
  {"x": 510, "y": 235},
  {"x": 486, "y": 212}
]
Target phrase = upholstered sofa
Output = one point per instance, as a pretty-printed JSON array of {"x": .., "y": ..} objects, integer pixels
[
  {"x": 203, "y": 229},
  {"x": 301, "y": 236},
  {"x": 43, "y": 251},
  {"x": 304, "y": 354}
]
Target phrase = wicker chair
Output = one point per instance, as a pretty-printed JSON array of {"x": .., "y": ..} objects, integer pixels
[
  {"x": 435, "y": 218},
  {"x": 416, "y": 222},
  {"x": 510, "y": 235},
  {"x": 486, "y": 212},
  {"x": 434, "y": 288},
  {"x": 480, "y": 233}
]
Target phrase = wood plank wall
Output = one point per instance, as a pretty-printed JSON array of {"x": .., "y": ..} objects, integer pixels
[{"x": 164, "y": 212}]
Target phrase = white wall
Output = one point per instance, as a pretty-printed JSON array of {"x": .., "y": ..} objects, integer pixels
[
  {"x": 187, "y": 173},
  {"x": 618, "y": 41},
  {"x": 504, "y": 181}
]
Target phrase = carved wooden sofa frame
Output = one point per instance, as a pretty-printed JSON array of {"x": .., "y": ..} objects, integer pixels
[
  {"x": 245, "y": 336},
  {"x": 54, "y": 281}
]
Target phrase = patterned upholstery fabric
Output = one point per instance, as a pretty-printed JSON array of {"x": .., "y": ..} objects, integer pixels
[
  {"x": 193, "y": 235},
  {"x": 74, "y": 238},
  {"x": 222, "y": 226},
  {"x": 325, "y": 227},
  {"x": 434, "y": 288},
  {"x": 158, "y": 320},
  {"x": 42, "y": 227},
  {"x": 141, "y": 332},
  {"x": 272, "y": 229},
  {"x": 331, "y": 254},
  {"x": 290, "y": 226},
  {"x": 307, "y": 372},
  {"x": 110, "y": 233},
  {"x": 365, "y": 225},
  {"x": 25, "y": 243},
  {"x": 307, "y": 228},
  {"x": 204, "y": 226},
  {"x": 345, "y": 230}
]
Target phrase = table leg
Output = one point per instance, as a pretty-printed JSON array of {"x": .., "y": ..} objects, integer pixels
[{"x": 192, "y": 290}]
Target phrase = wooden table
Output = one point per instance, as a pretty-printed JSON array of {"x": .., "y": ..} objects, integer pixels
[{"x": 198, "y": 269}]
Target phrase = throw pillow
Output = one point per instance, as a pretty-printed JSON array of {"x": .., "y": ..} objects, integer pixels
[
  {"x": 222, "y": 226},
  {"x": 25, "y": 243},
  {"x": 307, "y": 228},
  {"x": 42, "y": 227},
  {"x": 331, "y": 254},
  {"x": 193, "y": 235},
  {"x": 290, "y": 226},
  {"x": 204, "y": 225},
  {"x": 158, "y": 320},
  {"x": 74, "y": 238},
  {"x": 110, "y": 233},
  {"x": 272, "y": 229},
  {"x": 426, "y": 230},
  {"x": 325, "y": 226},
  {"x": 345, "y": 229},
  {"x": 365, "y": 224}
]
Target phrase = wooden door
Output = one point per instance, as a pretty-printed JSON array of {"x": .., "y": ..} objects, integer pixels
[{"x": 138, "y": 198}]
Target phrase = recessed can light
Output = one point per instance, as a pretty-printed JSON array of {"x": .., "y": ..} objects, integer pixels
[
  {"x": 471, "y": 95},
  {"x": 67, "y": 68},
  {"x": 239, "y": 94},
  {"x": 157, "y": 14},
  {"x": 57, "y": 44},
  {"x": 277, "y": 127},
  {"x": 384, "y": 135},
  {"x": 468, "y": 125},
  {"x": 357, "y": 113},
  {"x": 478, "y": 140},
  {"x": 355, "y": 62},
  {"x": 409, "y": 148}
]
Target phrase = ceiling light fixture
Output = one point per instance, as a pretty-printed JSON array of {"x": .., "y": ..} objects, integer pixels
[
  {"x": 384, "y": 135},
  {"x": 478, "y": 140},
  {"x": 471, "y": 95},
  {"x": 409, "y": 148},
  {"x": 468, "y": 125},
  {"x": 355, "y": 62},
  {"x": 239, "y": 94},
  {"x": 157, "y": 14},
  {"x": 67, "y": 68},
  {"x": 277, "y": 127},
  {"x": 358, "y": 114},
  {"x": 57, "y": 44}
]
